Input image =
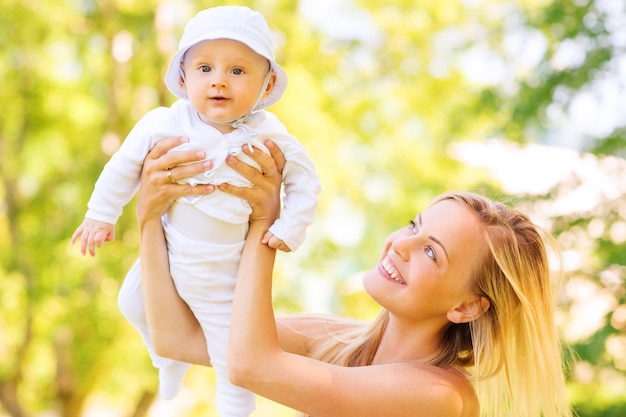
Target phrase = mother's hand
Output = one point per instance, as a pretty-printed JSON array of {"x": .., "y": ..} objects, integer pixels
[
  {"x": 264, "y": 196},
  {"x": 158, "y": 190}
]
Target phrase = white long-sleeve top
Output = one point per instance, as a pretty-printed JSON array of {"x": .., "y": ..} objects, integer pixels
[{"x": 120, "y": 178}]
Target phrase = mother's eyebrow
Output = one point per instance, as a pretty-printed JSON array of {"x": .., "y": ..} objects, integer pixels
[{"x": 434, "y": 239}]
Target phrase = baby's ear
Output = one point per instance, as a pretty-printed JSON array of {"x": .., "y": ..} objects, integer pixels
[
  {"x": 181, "y": 77},
  {"x": 270, "y": 84},
  {"x": 469, "y": 310}
]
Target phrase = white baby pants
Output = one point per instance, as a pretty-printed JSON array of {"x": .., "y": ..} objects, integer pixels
[{"x": 204, "y": 274}]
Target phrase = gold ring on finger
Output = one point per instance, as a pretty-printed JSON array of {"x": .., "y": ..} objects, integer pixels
[{"x": 170, "y": 176}]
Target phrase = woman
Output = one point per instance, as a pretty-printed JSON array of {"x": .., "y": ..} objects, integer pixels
[{"x": 467, "y": 311}]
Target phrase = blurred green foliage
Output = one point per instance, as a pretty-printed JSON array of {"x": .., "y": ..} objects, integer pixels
[{"x": 379, "y": 93}]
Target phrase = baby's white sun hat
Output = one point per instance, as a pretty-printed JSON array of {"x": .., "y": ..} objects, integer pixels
[{"x": 228, "y": 22}]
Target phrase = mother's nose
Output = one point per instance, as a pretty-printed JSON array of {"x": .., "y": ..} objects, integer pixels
[{"x": 403, "y": 246}]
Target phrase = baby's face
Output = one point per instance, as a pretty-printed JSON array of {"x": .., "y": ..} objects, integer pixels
[{"x": 223, "y": 79}]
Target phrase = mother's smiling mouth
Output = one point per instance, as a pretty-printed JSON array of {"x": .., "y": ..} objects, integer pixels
[{"x": 390, "y": 271}]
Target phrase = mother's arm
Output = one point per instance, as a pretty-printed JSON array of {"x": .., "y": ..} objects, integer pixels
[
  {"x": 258, "y": 362},
  {"x": 169, "y": 318}
]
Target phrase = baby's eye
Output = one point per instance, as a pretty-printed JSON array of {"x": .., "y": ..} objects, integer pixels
[
  {"x": 205, "y": 68},
  {"x": 237, "y": 71}
]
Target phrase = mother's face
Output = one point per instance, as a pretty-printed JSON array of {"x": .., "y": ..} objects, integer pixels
[{"x": 425, "y": 271}]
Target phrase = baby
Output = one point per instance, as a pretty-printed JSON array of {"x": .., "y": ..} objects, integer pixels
[{"x": 225, "y": 75}]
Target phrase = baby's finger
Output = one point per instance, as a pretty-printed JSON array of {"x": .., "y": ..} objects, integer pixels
[
  {"x": 91, "y": 246},
  {"x": 76, "y": 235},
  {"x": 99, "y": 239},
  {"x": 110, "y": 237},
  {"x": 83, "y": 244}
]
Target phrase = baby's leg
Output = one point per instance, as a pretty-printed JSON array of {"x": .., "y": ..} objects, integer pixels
[
  {"x": 231, "y": 401},
  {"x": 130, "y": 300},
  {"x": 210, "y": 298}
]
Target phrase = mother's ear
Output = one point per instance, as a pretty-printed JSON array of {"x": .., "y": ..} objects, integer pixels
[{"x": 469, "y": 310}]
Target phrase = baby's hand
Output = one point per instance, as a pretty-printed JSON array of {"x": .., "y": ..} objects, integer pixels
[
  {"x": 275, "y": 243},
  {"x": 93, "y": 234}
]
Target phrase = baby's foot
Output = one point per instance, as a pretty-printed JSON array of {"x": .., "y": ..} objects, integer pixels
[{"x": 171, "y": 379}]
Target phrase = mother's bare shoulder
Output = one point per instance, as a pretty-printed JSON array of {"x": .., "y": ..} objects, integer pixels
[{"x": 448, "y": 385}]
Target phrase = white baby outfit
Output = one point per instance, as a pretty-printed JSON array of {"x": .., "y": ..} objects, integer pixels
[{"x": 204, "y": 272}]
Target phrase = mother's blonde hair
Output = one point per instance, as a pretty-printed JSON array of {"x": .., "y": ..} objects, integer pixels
[{"x": 512, "y": 351}]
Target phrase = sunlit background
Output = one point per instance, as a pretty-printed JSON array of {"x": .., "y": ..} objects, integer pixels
[{"x": 396, "y": 102}]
